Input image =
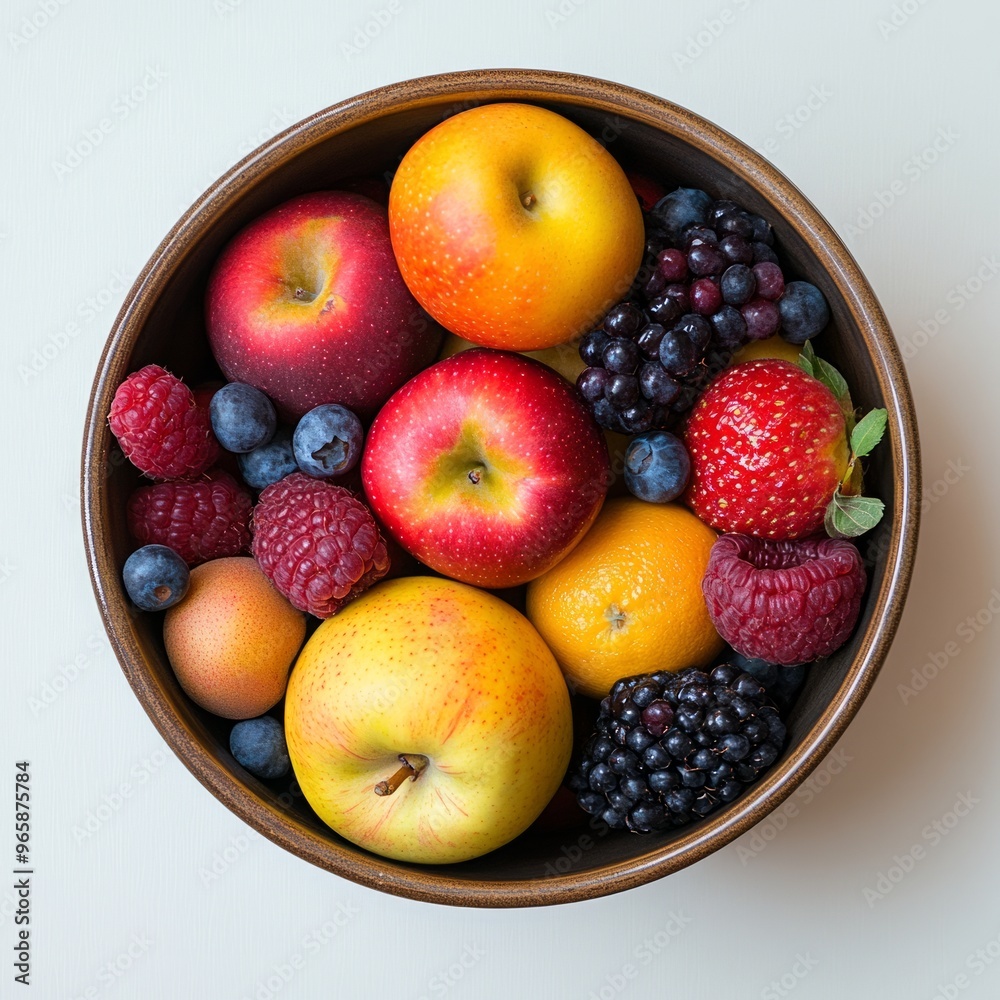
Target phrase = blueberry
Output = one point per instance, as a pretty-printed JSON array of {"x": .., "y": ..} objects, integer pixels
[
  {"x": 646, "y": 817},
  {"x": 734, "y": 746},
  {"x": 607, "y": 416},
  {"x": 639, "y": 739},
  {"x": 762, "y": 318},
  {"x": 679, "y": 209},
  {"x": 327, "y": 441},
  {"x": 697, "y": 329},
  {"x": 591, "y": 802},
  {"x": 729, "y": 327},
  {"x": 655, "y": 757},
  {"x": 695, "y": 234},
  {"x": 804, "y": 312},
  {"x": 666, "y": 309},
  {"x": 677, "y": 354},
  {"x": 705, "y": 259},
  {"x": 657, "y": 467},
  {"x": 663, "y": 780},
  {"x": 735, "y": 224},
  {"x": 155, "y": 577},
  {"x": 613, "y": 819},
  {"x": 592, "y": 347},
  {"x": 259, "y": 745},
  {"x": 621, "y": 391},
  {"x": 638, "y": 418},
  {"x": 672, "y": 265},
  {"x": 762, "y": 252},
  {"x": 270, "y": 462},
  {"x": 736, "y": 250},
  {"x": 764, "y": 672},
  {"x": 602, "y": 778},
  {"x": 243, "y": 418},
  {"x": 656, "y": 385},
  {"x": 621, "y": 356},
  {"x": 737, "y": 284},
  {"x": 649, "y": 340},
  {"x": 592, "y": 382},
  {"x": 623, "y": 320}
]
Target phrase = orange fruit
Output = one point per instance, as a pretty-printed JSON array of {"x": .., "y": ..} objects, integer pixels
[{"x": 627, "y": 600}]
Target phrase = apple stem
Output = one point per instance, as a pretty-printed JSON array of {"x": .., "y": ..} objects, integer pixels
[
  {"x": 528, "y": 200},
  {"x": 412, "y": 765}
]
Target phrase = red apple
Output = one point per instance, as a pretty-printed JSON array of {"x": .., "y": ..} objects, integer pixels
[
  {"x": 486, "y": 467},
  {"x": 308, "y": 305}
]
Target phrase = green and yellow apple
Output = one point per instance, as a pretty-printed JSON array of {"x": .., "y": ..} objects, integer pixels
[
  {"x": 427, "y": 721},
  {"x": 513, "y": 227},
  {"x": 486, "y": 467}
]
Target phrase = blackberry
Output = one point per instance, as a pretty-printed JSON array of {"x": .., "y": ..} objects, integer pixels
[
  {"x": 710, "y": 282},
  {"x": 669, "y": 749}
]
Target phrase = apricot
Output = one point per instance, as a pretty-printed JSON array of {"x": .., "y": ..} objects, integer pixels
[{"x": 233, "y": 639}]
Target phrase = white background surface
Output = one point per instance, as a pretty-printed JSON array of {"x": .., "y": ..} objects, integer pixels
[{"x": 221, "y": 76}]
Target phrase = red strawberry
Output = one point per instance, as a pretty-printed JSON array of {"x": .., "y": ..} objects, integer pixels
[{"x": 768, "y": 447}]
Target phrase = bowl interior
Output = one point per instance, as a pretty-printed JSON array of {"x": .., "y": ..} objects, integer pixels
[{"x": 162, "y": 322}]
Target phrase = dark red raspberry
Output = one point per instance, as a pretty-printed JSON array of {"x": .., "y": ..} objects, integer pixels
[
  {"x": 200, "y": 520},
  {"x": 785, "y": 602},
  {"x": 317, "y": 543},
  {"x": 160, "y": 426}
]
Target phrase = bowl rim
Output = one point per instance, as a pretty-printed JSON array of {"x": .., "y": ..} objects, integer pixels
[{"x": 785, "y": 199}]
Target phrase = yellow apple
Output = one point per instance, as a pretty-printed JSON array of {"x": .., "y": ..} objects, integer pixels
[
  {"x": 427, "y": 721},
  {"x": 563, "y": 358},
  {"x": 513, "y": 227},
  {"x": 772, "y": 347}
]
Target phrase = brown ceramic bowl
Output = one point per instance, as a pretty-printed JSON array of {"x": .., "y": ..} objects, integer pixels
[{"x": 161, "y": 321}]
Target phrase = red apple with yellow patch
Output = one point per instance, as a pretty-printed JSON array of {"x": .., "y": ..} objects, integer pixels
[
  {"x": 307, "y": 304},
  {"x": 486, "y": 467}
]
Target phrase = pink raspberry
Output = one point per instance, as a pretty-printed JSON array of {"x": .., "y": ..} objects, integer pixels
[
  {"x": 160, "y": 426},
  {"x": 317, "y": 543},
  {"x": 200, "y": 520},
  {"x": 784, "y": 601}
]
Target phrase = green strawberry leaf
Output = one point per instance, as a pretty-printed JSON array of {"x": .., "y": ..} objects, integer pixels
[
  {"x": 835, "y": 382},
  {"x": 806, "y": 359},
  {"x": 868, "y": 432},
  {"x": 849, "y": 516}
]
